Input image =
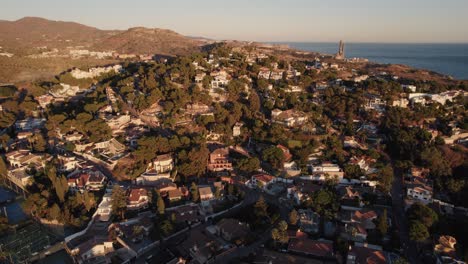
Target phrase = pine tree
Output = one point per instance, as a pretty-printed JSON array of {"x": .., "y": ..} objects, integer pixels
[
  {"x": 261, "y": 208},
  {"x": 88, "y": 201},
  {"x": 61, "y": 187},
  {"x": 161, "y": 205},
  {"x": 194, "y": 192},
  {"x": 119, "y": 201},
  {"x": 382, "y": 224}
]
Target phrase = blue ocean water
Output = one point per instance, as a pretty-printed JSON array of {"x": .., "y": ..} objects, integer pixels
[{"x": 450, "y": 59}]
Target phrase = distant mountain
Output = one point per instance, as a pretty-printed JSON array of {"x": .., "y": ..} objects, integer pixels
[{"x": 27, "y": 34}]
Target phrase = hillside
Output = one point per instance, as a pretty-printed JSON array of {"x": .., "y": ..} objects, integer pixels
[
  {"x": 27, "y": 34},
  {"x": 149, "y": 41},
  {"x": 52, "y": 40}
]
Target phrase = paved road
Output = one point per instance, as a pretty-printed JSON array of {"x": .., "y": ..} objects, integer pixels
[{"x": 408, "y": 246}]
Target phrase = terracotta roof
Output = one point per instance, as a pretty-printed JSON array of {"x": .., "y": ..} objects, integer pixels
[
  {"x": 311, "y": 247},
  {"x": 174, "y": 193},
  {"x": 286, "y": 153},
  {"x": 366, "y": 255},
  {"x": 358, "y": 216},
  {"x": 263, "y": 177},
  {"x": 135, "y": 194},
  {"x": 203, "y": 191}
]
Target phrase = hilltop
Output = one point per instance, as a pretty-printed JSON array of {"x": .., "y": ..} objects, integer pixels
[{"x": 140, "y": 40}]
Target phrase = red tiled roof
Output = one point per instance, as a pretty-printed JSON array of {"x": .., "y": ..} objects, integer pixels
[
  {"x": 263, "y": 177},
  {"x": 286, "y": 153},
  {"x": 366, "y": 255},
  {"x": 135, "y": 194},
  {"x": 311, "y": 247},
  {"x": 364, "y": 216}
]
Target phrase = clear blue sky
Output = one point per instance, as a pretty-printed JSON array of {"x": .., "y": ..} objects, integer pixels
[{"x": 266, "y": 20}]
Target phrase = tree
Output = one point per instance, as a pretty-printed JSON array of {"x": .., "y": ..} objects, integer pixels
[
  {"x": 261, "y": 208},
  {"x": 275, "y": 235},
  {"x": 193, "y": 163},
  {"x": 55, "y": 212},
  {"x": 323, "y": 202},
  {"x": 88, "y": 200},
  {"x": 3, "y": 168},
  {"x": 280, "y": 233},
  {"x": 274, "y": 156},
  {"x": 249, "y": 164},
  {"x": 38, "y": 143},
  {"x": 217, "y": 193},
  {"x": 382, "y": 224},
  {"x": 119, "y": 201},
  {"x": 161, "y": 205},
  {"x": 254, "y": 101},
  {"x": 387, "y": 178},
  {"x": 166, "y": 227},
  {"x": 293, "y": 217},
  {"x": 423, "y": 214},
  {"x": 418, "y": 231},
  {"x": 194, "y": 192},
  {"x": 61, "y": 187}
]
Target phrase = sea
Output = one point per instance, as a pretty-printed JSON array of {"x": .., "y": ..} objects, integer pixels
[{"x": 449, "y": 59}]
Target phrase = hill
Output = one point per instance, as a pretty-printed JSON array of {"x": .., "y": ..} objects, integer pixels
[
  {"x": 50, "y": 41},
  {"x": 142, "y": 40},
  {"x": 30, "y": 34}
]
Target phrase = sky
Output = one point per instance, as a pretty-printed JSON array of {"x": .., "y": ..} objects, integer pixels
[{"x": 401, "y": 21}]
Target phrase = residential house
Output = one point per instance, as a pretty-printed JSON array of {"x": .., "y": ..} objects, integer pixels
[
  {"x": 419, "y": 191},
  {"x": 110, "y": 147},
  {"x": 262, "y": 180},
  {"x": 302, "y": 191},
  {"x": 236, "y": 130},
  {"x": 313, "y": 248},
  {"x": 309, "y": 221},
  {"x": 117, "y": 123},
  {"x": 189, "y": 213},
  {"x": 289, "y": 118},
  {"x": 30, "y": 124},
  {"x": 363, "y": 162},
  {"x": 219, "y": 160},
  {"x": 133, "y": 231},
  {"x": 201, "y": 248},
  {"x": 206, "y": 193},
  {"x": 159, "y": 168},
  {"x": 324, "y": 171},
  {"x": 350, "y": 197},
  {"x": 220, "y": 79},
  {"x": 91, "y": 250},
  {"x": 93, "y": 180},
  {"x": 232, "y": 229},
  {"x": 137, "y": 199},
  {"x": 23, "y": 158},
  {"x": 20, "y": 177},
  {"x": 264, "y": 73},
  {"x": 177, "y": 194},
  {"x": 374, "y": 102},
  {"x": 366, "y": 254},
  {"x": 364, "y": 218}
]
